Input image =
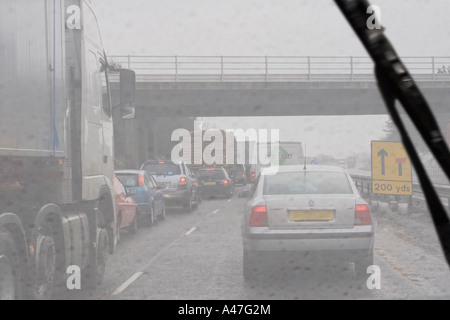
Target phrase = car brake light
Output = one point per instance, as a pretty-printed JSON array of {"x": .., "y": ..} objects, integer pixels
[
  {"x": 243, "y": 175},
  {"x": 182, "y": 183},
  {"x": 161, "y": 162},
  {"x": 258, "y": 217},
  {"x": 224, "y": 182},
  {"x": 362, "y": 215},
  {"x": 141, "y": 180}
]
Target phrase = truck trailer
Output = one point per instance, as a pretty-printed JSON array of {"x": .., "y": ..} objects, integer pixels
[{"x": 57, "y": 202}]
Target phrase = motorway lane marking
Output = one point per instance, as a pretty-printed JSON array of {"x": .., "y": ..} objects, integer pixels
[
  {"x": 125, "y": 285},
  {"x": 133, "y": 278},
  {"x": 190, "y": 231}
]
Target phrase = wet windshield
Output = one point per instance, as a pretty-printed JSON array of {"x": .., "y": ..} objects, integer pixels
[{"x": 241, "y": 85}]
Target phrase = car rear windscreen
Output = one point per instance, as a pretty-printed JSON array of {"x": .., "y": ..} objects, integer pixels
[
  {"x": 129, "y": 180},
  {"x": 307, "y": 183},
  {"x": 211, "y": 174},
  {"x": 162, "y": 168}
]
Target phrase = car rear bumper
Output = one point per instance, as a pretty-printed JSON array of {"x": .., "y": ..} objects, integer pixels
[
  {"x": 215, "y": 190},
  {"x": 178, "y": 196},
  {"x": 143, "y": 209},
  {"x": 356, "y": 239}
]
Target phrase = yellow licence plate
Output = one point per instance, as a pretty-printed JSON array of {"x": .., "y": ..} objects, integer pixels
[
  {"x": 209, "y": 183},
  {"x": 311, "y": 215},
  {"x": 162, "y": 184}
]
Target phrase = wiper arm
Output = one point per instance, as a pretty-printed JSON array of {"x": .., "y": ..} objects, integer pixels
[{"x": 395, "y": 82}]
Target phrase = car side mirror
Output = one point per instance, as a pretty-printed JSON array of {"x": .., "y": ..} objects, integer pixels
[{"x": 128, "y": 112}]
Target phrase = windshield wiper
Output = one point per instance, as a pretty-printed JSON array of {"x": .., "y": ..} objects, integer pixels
[{"x": 396, "y": 83}]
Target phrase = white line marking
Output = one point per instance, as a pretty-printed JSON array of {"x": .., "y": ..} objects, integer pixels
[
  {"x": 190, "y": 231},
  {"x": 215, "y": 211},
  {"x": 125, "y": 285},
  {"x": 229, "y": 200}
]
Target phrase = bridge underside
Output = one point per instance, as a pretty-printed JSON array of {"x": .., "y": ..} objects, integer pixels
[
  {"x": 198, "y": 99},
  {"x": 164, "y": 106}
]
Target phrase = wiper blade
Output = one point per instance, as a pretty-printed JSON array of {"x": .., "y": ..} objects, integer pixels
[{"x": 396, "y": 83}]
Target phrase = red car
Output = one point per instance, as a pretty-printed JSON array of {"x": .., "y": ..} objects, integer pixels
[{"x": 126, "y": 208}]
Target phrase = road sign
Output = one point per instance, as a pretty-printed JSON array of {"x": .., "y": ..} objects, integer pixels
[{"x": 391, "y": 168}]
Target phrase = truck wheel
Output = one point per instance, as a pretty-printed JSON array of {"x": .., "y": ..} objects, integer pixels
[
  {"x": 95, "y": 271},
  {"x": 102, "y": 255},
  {"x": 9, "y": 265},
  {"x": 45, "y": 266}
]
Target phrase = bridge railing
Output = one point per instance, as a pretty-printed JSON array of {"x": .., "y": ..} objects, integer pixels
[{"x": 273, "y": 68}]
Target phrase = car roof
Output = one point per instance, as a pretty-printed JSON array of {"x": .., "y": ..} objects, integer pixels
[
  {"x": 301, "y": 168},
  {"x": 165, "y": 161},
  {"x": 128, "y": 171}
]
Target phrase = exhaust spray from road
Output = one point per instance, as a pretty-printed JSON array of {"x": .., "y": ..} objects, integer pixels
[{"x": 226, "y": 147}]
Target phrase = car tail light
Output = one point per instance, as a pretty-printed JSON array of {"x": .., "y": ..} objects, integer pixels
[
  {"x": 243, "y": 175},
  {"x": 258, "y": 217},
  {"x": 161, "y": 162},
  {"x": 141, "y": 180},
  {"x": 224, "y": 182},
  {"x": 182, "y": 183},
  {"x": 362, "y": 215}
]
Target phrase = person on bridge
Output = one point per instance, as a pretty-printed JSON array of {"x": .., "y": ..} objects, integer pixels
[{"x": 443, "y": 69}]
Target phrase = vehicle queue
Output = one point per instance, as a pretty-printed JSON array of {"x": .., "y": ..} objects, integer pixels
[
  {"x": 295, "y": 212},
  {"x": 143, "y": 194}
]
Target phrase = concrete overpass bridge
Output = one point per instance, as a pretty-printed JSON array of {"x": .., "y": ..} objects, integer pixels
[
  {"x": 209, "y": 86},
  {"x": 173, "y": 89}
]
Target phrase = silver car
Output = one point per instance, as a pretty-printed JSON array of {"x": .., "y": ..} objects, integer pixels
[{"x": 306, "y": 211}]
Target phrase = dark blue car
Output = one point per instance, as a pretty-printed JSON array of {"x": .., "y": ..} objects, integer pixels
[{"x": 143, "y": 188}]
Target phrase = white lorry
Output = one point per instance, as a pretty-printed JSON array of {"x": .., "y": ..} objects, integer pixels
[
  {"x": 57, "y": 202},
  {"x": 289, "y": 153}
]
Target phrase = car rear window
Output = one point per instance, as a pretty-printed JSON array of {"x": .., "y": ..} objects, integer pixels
[
  {"x": 307, "y": 183},
  {"x": 210, "y": 174},
  {"x": 162, "y": 168},
  {"x": 129, "y": 180}
]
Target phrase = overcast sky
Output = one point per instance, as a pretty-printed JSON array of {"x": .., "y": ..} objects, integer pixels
[
  {"x": 264, "y": 27},
  {"x": 274, "y": 27}
]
